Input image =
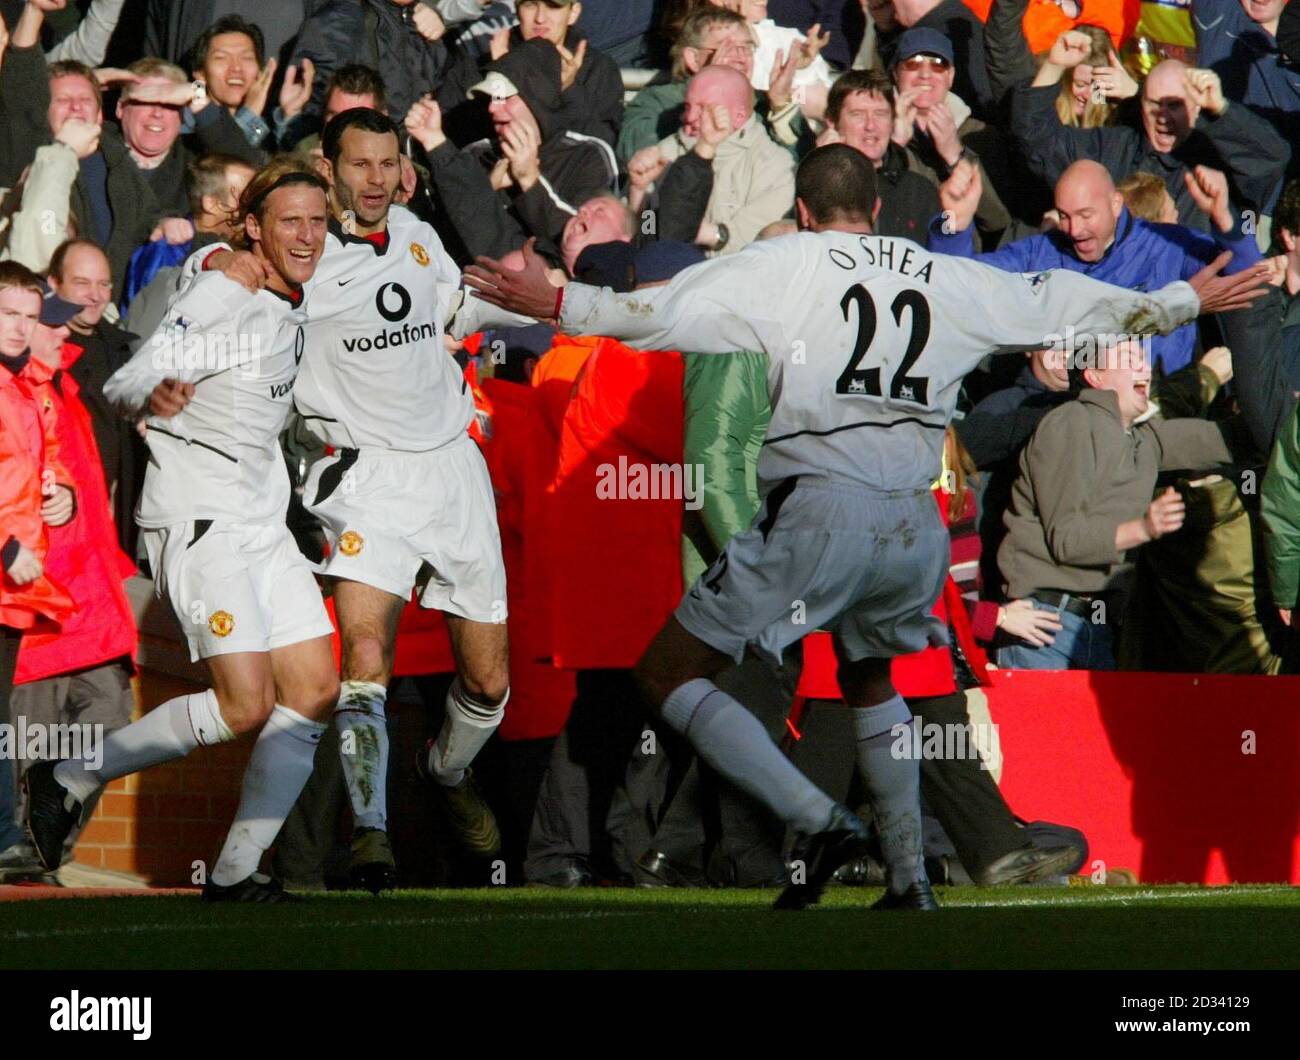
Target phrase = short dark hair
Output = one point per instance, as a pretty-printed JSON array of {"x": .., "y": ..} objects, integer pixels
[
  {"x": 836, "y": 183},
  {"x": 227, "y": 24},
  {"x": 1287, "y": 212},
  {"x": 207, "y": 176},
  {"x": 357, "y": 118},
  {"x": 62, "y": 251},
  {"x": 872, "y": 81},
  {"x": 357, "y": 79}
]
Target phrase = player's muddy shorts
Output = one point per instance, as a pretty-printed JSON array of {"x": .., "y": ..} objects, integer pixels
[
  {"x": 866, "y": 566},
  {"x": 395, "y": 520},
  {"x": 236, "y": 587}
]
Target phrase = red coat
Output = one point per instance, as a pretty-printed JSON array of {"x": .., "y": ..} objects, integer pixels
[
  {"x": 29, "y": 456},
  {"x": 83, "y": 555},
  {"x": 554, "y": 384},
  {"x": 616, "y": 555},
  {"x": 540, "y": 695}
]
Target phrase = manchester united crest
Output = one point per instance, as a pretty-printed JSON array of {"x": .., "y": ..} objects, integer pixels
[
  {"x": 222, "y": 623},
  {"x": 419, "y": 254},
  {"x": 350, "y": 542}
]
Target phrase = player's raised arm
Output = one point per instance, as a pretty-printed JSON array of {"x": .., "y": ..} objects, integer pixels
[{"x": 1023, "y": 311}]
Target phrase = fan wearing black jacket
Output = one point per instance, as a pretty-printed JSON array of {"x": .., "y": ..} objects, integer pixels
[
  {"x": 591, "y": 87},
  {"x": 527, "y": 178}
]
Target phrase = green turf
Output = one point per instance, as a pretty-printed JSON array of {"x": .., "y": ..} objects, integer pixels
[{"x": 1086, "y": 927}]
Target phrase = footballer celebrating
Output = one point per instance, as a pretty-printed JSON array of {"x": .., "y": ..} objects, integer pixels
[
  {"x": 216, "y": 384},
  {"x": 867, "y": 339},
  {"x": 405, "y": 499}
]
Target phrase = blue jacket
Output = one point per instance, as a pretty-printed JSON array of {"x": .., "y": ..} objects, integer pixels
[
  {"x": 1143, "y": 257},
  {"x": 1246, "y": 58},
  {"x": 146, "y": 260}
]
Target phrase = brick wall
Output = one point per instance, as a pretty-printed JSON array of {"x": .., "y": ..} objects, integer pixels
[{"x": 156, "y": 823}]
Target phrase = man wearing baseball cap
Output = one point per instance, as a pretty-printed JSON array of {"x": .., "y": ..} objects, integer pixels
[
  {"x": 943, "y": 129},
  {"x": 530, "y": 176},
  {"x": 591, "y": 86}
]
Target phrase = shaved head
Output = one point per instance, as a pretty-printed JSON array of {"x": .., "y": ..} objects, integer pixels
[
  {"x": 1090, "y": 207},
  {"x": 717, "y": 85},
  {"x": 1168, "y": 113}
]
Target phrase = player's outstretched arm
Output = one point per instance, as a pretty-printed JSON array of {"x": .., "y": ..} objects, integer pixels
[
  {"x": 1023, "y": 311},
  {"x": 717, "y": 306}
]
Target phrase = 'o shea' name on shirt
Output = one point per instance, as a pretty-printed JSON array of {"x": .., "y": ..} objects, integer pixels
[{"x": 885, "y": 253}]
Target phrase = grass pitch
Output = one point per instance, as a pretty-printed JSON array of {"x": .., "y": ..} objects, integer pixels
[{"x": 1015, "y": 928}]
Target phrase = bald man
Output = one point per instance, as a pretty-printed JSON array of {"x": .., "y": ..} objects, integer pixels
[
  {"x": 1099, "y": 237},
  {"x": 730, "y": 178},
  {"x": 1185, "y": 122}
]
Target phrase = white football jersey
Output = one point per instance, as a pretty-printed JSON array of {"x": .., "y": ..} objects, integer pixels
[
  {"x": 867, "y": 339},
  {"x": 219, "y": 458},
  {"x": 376, "y": 372}
]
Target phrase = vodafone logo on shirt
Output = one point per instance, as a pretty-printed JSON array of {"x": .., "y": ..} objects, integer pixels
[{"x": 393, "y": 302}]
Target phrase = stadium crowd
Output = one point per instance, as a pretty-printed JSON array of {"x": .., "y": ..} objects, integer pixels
[{"x": 1137, "y": 509}]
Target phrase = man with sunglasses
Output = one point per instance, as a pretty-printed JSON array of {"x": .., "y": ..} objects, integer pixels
[
  {"x": 955, "y": 21},
  {"x": 937, "y": 128}
]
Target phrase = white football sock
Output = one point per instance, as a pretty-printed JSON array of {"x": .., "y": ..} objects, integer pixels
[
  {"x": 465, "y": 730},
  {"x": 363, "y": 749},
  {"x": 170, "y": 731},
  {"x": 277, "y": 771}
]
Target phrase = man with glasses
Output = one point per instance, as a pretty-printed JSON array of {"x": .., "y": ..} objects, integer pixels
[
  {"x": 955, "y": 21},
  {"x": 937, "y": 128}
]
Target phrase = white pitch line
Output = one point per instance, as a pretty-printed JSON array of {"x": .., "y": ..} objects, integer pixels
[
  {"x": 1121, "y": 896},
  {"x": 23, "y": 935}
]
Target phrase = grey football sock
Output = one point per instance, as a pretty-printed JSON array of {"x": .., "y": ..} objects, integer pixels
[
  {"x": 734, "y": 742},
  {"x": 893, "y": 787}
]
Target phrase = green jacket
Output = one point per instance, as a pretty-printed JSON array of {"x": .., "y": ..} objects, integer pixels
[
  {"x": 1279, "y": 502},
  {"x": 726, "y": 416}
]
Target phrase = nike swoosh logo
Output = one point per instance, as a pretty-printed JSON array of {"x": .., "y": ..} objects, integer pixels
[{"x": 344, "y": 283}]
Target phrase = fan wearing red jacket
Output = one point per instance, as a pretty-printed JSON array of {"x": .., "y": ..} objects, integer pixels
[{"x": 34, "y": 490}]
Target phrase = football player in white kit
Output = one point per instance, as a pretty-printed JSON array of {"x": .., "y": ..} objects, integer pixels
[
  {"x": 405, "y": 499},
  {"x": 868, "y": 339},
  {"x": 215, "y": 385}
]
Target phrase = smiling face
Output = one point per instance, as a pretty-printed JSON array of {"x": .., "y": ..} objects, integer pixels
[
  {"x": 865, "y": 123},
  {"x": 290, "y": 235},
  {"x": 72, "y": 96},
  {"x": 366, "y": 177},
  {"x": 597, "y": 221},
  {"x": 1081, "y": 88},
  {"x": 230, "y": 68},
  {"x": 88, "y": 281},
  {"x": 541, "y": 21},
  {"x": 929, "y": 75},
  {"x": 1167, "y": 114},
  {"x": 149, "y": 129},
  {"x": 20, "y": 309},
  {"x": 1124, "y": 368}
]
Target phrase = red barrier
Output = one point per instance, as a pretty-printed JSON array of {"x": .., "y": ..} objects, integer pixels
[{"x": 1184, "y": 778}]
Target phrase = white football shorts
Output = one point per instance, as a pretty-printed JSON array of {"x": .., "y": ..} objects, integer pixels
[
  {"x": 236, "y": 586},
  {"x": 396, "y": 520}
]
